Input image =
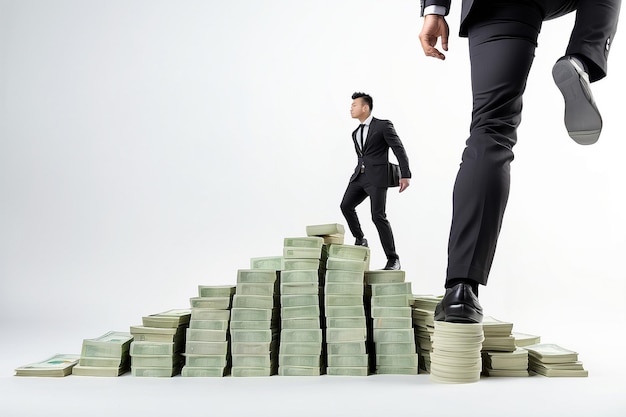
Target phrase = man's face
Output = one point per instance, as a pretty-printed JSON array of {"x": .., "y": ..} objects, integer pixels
[{"x": 358, "y": 108}]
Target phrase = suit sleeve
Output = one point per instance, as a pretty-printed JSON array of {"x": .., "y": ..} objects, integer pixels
[
  {"x": 394, "y": 142},
  {"x": 442, "y": 3}
]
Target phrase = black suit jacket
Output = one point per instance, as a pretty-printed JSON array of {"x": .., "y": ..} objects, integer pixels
[
  {"x": 381, "y": 136},
  {"x": 465, "y": 10}
]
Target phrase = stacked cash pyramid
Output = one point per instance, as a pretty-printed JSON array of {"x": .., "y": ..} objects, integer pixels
[
  {"x": 60, "y": 364},
  {"x": 301, "y": 331},
  {"x": 392, "y": 342},
  {"x": 500, "y": 355},
  {"x": 255, "y": 323},
  {"x": 344, "y": 309},
  {"x": 456, "y": 355},
  {"x": 107, "y": 355},
  {"x": 156, "y": 350},
  {"x": 206, "y": 350},
  {"x": 553, "y": 360},
  {"x": 423, "y": 311}
]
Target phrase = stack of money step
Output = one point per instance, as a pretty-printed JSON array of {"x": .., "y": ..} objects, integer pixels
[
  {"x": 331, "y": 233},
  {"x": 456, "y": 355},
  {"x": 58, "y": 365},
  {"x": 553, "y": 360},
  {"x": 500, "y": 355},
  {"x": 393, "y": 336},
  {"x": 344, "y": 309},
  {"x": 505, "y": 363},
  {"x": 156, "y": 350},
  {"x": 107, "y": 355},
  {"x": 423, "y": 312},
  {"x": 206, "y": 349},
  {"x": 301, "y": 331},
  {"x": 268, "y": 262},
  {"x": 255, "y": 323}
]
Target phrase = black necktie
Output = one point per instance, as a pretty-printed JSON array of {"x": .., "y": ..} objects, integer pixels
[{"x": 362, "y": 126}]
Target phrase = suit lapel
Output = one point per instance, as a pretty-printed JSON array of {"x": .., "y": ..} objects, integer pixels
[
  {"x": 356, "y": 144},
  {"x": 370, "y": 132}
]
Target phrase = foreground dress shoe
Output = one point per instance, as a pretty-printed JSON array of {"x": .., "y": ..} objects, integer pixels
[
  {"x": 459, "y": 305},
  {"x": 361, "y": 242},
  {"x": 582, "y": 118},
  {"x": 392, "y": 265}
]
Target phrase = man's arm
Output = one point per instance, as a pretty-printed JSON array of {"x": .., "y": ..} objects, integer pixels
[{"x": 394, "y": 142}]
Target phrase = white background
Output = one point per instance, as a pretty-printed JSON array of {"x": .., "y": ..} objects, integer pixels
[{"x": 148, "y": 147}]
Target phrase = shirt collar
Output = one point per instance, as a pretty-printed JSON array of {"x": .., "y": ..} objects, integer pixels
[{"x": 368, "y": 121}]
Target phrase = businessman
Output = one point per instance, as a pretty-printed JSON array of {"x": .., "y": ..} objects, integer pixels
[
  {"x": 502, "y": 37},
  {"x": 371, "y": 177}
]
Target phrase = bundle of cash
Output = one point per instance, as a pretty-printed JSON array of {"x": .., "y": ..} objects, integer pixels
[
  {"x": 498, "y": 335},
  {"x": 331, "y": 233},
  {"x": 500, "y": 355},
  {"x": 107, "y": 355},
  {"x": 301, "y": 331},
  {"x": 157, "y": 346},
  {"x": 423, "y": 310},
  {"x": 393, "y": 336},
  {"x": 206, "y": 348},
  {"x": 525, "y": 339},
  {"x": 456, "y": 355},
  {"x": 60, "y": 364},
  {"x": 254, "y": 323},
  {"x": 553, "y": 360},
  {"x": 344, "y": 310},
  {"x": 268, "y": 262}
]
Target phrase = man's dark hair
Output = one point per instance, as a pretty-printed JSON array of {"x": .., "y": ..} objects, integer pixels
[{"x": 366, "y": 98}]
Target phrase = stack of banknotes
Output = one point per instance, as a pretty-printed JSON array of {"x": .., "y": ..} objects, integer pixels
[
  {"x": 301, "y": 330},
  {"x": 158, "y": 344},
  {"x": 255, "y": 323},
  {"x": 423, "y": 312},
  {"x": 206, "y": 349},
  {"x": 553, "y": 360},
  {"x": 60, "y": 364},
  {"x": 107, "y": 355},
  {"x": 392, "y": 338},
  {"x": 501, "y": 357},
  {"x": 456, "y": 355},
  {"x": 344, "y": 310}
]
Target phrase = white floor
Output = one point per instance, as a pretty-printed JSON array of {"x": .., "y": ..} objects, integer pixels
[{"x": 602, "y": 394}]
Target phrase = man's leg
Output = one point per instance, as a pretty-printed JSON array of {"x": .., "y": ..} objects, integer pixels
[
  {"x": 354, "y": 195},
  {"x": 378, "y": 202},
  {"x": 502, "y": 42}
]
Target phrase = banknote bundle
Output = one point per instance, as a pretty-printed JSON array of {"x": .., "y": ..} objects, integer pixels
[
  {"x": 553, "y": 360},
  {"x": 500, "y": 355},
  {"x": 456, "y": 355},
  {"x": 331, "y": 233},
  {"x": 107, "y": 355},
  {"x": 157, "y": 346},
  {"x": 255, "y": 323},
  {"x": 392, "y": 344},
  {"x": 423, "y": 312},
  {"x": 525, "y": 339},
  {"x": 267, "y": 262},
  {"x": 60, "y": 364},
  {"x": 301, "y": 331},
  {"x": 206, "y": 348},
  {"x": 344, "y": 310}
]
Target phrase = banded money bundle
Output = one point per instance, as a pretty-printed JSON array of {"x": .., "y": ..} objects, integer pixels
[
  {"x": 423, "y": 311},
  {"x": 58, "y": 365},
  {"x": 499, "y": 354},
  {"x": 107, "y": 355},
  {"x": 156, "y": 350},
  {"x": 552, "y": 360},
  {"x": 206, "y": 348},
  {"x": 331, "y": 233}
]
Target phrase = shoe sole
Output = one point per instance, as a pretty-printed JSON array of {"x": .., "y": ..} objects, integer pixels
[
  {"x": 459, "y": 313},
  {"x": 582, "y": 118}
]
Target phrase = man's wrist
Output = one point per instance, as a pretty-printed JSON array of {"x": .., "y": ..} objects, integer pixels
[{"x": 434, "y": 9}]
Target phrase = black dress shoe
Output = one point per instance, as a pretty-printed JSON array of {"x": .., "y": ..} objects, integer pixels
[
  {"x": 361, "y": 242},
  {"x": 459, "y": 305},
  {"x": 392, "y": 265}
]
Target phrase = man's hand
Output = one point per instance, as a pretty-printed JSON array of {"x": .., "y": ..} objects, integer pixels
[
  {"x": 434, "y": 27},
  {"x": 404, "y": 183}
]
